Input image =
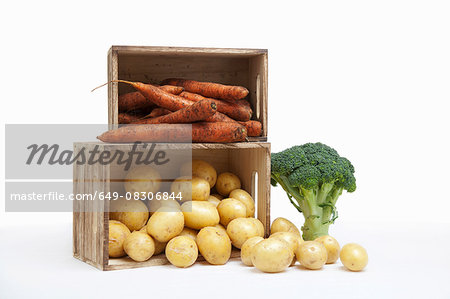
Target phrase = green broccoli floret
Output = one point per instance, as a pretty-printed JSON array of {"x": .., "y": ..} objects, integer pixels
[{"x": 313, "y": 176}]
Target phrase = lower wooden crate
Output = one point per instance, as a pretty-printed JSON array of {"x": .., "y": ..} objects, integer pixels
[{"x": 250, "y": 161}]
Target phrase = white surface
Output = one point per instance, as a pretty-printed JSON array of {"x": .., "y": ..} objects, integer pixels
[
  {"x": 369, "y": 78},
  {"x": 405, "y": 261}
]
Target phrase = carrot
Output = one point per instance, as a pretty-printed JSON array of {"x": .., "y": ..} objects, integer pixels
[
  {"x": 196, "y": 112},
  {"x": 176, "y": 90},
  {"x": 209, "y": 89},
  {"x": 197, "y": 132},
  {"x": 127, "y": 118},
  {"x": 135, "y": 100},
  {"x": 254, "y": 127},
  {"x": 169, "y": 101},
  {"x": 232, "y": 109},
  {"x": 158, "y": 112}
]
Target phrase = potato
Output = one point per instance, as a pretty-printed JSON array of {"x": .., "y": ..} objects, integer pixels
[
  {"x": 139, "y": 246},
  {"x": 214, "y": 245},
  {"x": 118, "y": 232},
  {"x": 188, "y": 232},
  {"x": 220, "y": 227},
  {"x": 259, "y": 225},
  {"x": 142, "y": 179},
  {"x": 227, "y": 182},
  {"x": 199, "y": 214},
  {"x": 132, "y": 213},
  {"x": 159, "y": 246},
  {"x": 246, "y": 199},
  {"x": 182, "y": 185},
  {"x": 283, "y": 225},
  {"x": 230, "y": 209},
  {"x": 218, "y": 196},
  {"x": 200, "y": 189},
  {"x": 311, "y": 255},
  {"x": 292, "y": 239},
  {"x": 165, "y": 224},
  {"x": 156, "y": 204},
  {"x": 271, "y": 255},
  {"x": 354, "y": 257},
  {"x": 201, "y": 169},
  {"x": 240, "y": 230},
  {"x": 182, "y": 251},
  {"x": 332, "y": 247},
  {"x": 214, "y": 200},
  {"x": 246, "y": 250}
]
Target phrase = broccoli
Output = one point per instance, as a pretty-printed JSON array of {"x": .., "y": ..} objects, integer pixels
[{"x": 313, "y": 176}]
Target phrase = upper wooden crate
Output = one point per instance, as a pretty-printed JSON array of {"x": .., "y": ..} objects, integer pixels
[{"x": 245, "y": 67}]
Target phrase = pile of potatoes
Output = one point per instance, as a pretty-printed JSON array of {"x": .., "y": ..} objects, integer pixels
[
  {"x": 285, "y": 246},
  {"x": 201, "y": 223}
]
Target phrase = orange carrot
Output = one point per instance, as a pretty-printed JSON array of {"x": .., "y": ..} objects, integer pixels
[
  {"x": 196, "y": 112},
  {"x": 197, "y": 132},
  {"x": 176, "y": 90},
  {"x": 135, "y": 100},
  {"x": 127, "y": 118},
  {"x": 209, "y": 89},
  {"x": 158, "y": 112},
  {"x": 169, "y": 101},
  {"x": 254, "y": 127},
  {"x": 232, "y": 109}
]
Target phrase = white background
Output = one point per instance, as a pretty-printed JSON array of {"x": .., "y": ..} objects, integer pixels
[{"x": 370, "y": 78}]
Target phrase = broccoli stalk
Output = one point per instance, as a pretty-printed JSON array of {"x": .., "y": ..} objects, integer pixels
[{"x": 313, "y": 176}]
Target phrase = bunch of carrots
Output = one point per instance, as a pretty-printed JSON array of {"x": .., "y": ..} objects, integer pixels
[{"x": 159, "y": 113}]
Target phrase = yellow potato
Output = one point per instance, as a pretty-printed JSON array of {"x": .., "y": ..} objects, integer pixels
[
  {"x": 118, "y": 232},
  {"x": 271, "y": 255},
  {"x": 182, "y": 251},
  {"x": 311, "y": 255},
  {"x": 165, "y": 224},
  {"x": 259, "y": 225},
  {"x": 246, "y": 199},
  {"x": 201, "y": 169},
  {"x": 200, "y": 189},
  {"x": 354, "y": 257},
  {"x": 214, "y": 245},
  {"x": 139, "y": 246},
  {"x": 142, "y": 179},
  {"x": 199, "y": 214},
  {"x": 159, "y": 246},
  {"x": 156, "y": 204},
  {"x": 332, "y": 247},
  {"x": 283, "y": 225},
  {"x": 132, "y": 213},
  {"x": 218, "y": 196},
  {"x": 182, "y": 185},
  {"x": 230, "y": 209},
  {"x": 220, "y": 227},
  {"x": 292, "y": 239},
  {"x": 227, "y": 182},
  {"x": 240, "y": 230},
  {"x": 214, "y": 200},
  {"x": 246, "y": 250},
  {"x": 188, "y": 232}
]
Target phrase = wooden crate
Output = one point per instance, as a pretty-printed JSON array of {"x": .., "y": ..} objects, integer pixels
[
  {"x": 245, "y": 67},
  {"x": 90, "y": 229}
]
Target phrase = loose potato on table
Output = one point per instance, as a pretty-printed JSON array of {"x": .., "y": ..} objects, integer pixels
[
  {"x": 118, "y": 232},
  {"x": 354, "y": 257},
  {"x": 246, "y": 250},
  {"x": 227, "y": 182},
  {"x": 139, "y": 246},
  {"x": 165, "y": 224},
  {"x": 332, "y": 247},
  {"x": 182, "y": 251},
  {"x": 199, "y": 214},
  {"x": 283, "y": 225},
  {"x": 311, "y": 255},
  {"x": 292, "y": 239},
  {"x": 244, "y": 197},
  {"x": 133, "y": 213},
  {"x": 201, "y": 169},
  {"x": 241, "y": 229},
  {"x": 189, "y": 232},
  {"x": 230, "y": 209},
  {"x": 271, "y": 255},
  {"x": 214, "y": 245},
  {"x": 142, "y": 179}
]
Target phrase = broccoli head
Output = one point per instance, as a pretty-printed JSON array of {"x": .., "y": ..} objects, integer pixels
[{"x": 313, "y": 176}]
